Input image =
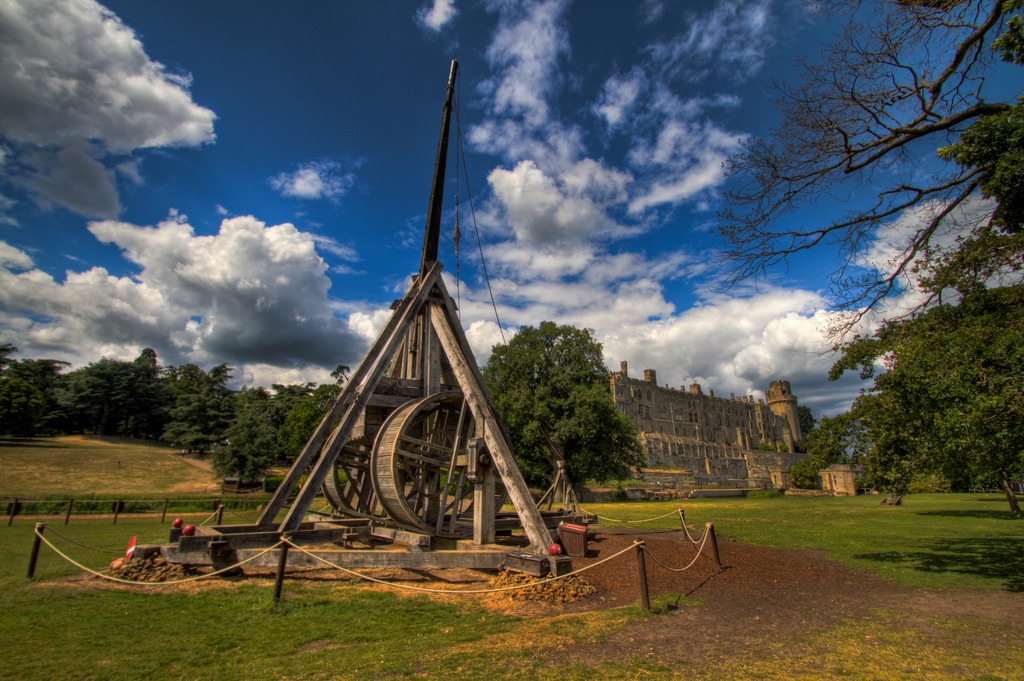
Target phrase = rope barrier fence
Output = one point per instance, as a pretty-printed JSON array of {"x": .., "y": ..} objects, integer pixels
[{"x": 286, "y": 543}]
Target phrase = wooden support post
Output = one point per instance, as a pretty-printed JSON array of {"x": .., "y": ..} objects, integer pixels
[
  {"x": 163, "y": 514},
  {"x": 714, "y": 543},
  {"x": 682, "y": 518},
  {"x": 67, "y": 516},
  {"x": 34, "y": 556},
  {"x": 220, "y": 514},
  {"x": 282, "y": 564},
  {"x": 641, "y": 567},
  {"x": 13, "y": 507},
  {"x": 118, "y": 505}
]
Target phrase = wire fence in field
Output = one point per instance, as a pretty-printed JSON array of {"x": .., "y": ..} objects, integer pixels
[{"x": 239, "y": 509}]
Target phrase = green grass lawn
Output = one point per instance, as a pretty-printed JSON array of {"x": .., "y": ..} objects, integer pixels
[
  {"x": 78, "y": 466},
  {"x": 948, "y": 541},
  {"x": 64, "y": 625}
]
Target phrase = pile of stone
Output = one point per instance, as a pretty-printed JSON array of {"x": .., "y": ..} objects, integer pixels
[
  {"x": 564, "y": 590},
  {"x": 152, "y": 568}
]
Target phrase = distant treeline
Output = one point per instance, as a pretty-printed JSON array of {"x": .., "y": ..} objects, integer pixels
[{"x": 183, "y": 406}]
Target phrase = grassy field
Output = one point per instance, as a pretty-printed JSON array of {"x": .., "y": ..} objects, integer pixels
[
  {"x": 79, "y": 466},
  {"x": 946, "y": 541},
  {"x": 66, "y": 625}
]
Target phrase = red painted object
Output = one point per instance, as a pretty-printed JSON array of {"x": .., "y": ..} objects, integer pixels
[
  {"x": 177, "y": 522},
  {"x": 556, "y": 549},
  {"x": 188, "y": 530}
]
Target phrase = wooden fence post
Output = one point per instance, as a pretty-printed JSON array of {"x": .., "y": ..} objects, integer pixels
[
  {"x": 282, "y": 563},
  {"x": 67, "y": 516},
  {"x": 13, "y": 508},
  {"x": 714, "y": 544},
  {"x": 163, "y": 516},
  {"x": 34, "y": 556},
  {"x": 641, "y": 566}
]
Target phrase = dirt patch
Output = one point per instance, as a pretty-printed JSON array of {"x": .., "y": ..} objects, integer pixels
[{"x": 759, "y": 598}]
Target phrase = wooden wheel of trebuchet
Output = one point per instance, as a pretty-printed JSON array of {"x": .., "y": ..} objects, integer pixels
[
  {"x": 420, "y": 462},
  {"x": 349, "y": 489}
]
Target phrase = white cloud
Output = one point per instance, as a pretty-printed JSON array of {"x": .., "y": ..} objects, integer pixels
[
  {"x": 524, "y": 50},
  {"x": 437, "y": 15},
  {"x": 315, "y": 180},
  {"x": 251, "y": 294},
  {"x": 13, "y": 258},
  {"x": 731, "y": 42},
  {"x": 545, "y": 211},
  {"x": 79, "y": 87},
  {"x": 688, "y": 160},
  {"x": 619, "y": 96}
]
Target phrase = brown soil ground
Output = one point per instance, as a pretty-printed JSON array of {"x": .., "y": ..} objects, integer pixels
[{"x": 759, "y": 597}]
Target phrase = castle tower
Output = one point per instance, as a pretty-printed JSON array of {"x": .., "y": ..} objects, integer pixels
[
  {"x": 782, "y": 402},
  {"x": 651, "y": 376}
]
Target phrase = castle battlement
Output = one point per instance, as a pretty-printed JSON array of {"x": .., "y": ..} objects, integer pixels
[{"x": 712, "y": 437}]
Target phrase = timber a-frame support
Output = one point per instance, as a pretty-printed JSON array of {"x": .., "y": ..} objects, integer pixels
[{"x": 414, "y": 432}]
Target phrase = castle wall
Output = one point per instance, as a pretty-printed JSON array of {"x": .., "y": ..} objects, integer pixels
[{"x": 712, "y": 441}]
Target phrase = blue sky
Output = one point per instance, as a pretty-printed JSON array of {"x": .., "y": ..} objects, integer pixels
[{"x": 246, "y": 182}]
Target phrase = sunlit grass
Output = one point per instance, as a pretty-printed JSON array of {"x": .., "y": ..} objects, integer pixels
[
  {"x": 77, "y": 466},
  {"x": 931, "y": 540}
]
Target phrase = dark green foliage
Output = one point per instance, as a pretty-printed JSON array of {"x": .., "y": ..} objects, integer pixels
[
  {"x": 46, "y": 376},
  {"x": 203, "y": 407},
  {"x": 21, "y": 407},
  {"x": 806, "y": 418},
  {"x": 551, "y": 388},
  {"x": 252, "y": 437},
  {"x": 837, "y": 439},
  {"x": 803, "y": 475},
  {"x": 951, "y": 399},
  {"x": 303, "y": 418}
]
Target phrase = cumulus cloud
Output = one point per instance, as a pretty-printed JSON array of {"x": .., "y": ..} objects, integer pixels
[
  {"x": 324, "y": 179},
  {"x": 543, "y": 210},
  {"x": 79, "y": 87},
  {"x": 437, "y": 15},
  {"x": 251, "y": 294}
]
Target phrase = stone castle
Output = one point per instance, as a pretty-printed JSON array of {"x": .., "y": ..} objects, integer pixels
[{"x": 693, "y": 440}]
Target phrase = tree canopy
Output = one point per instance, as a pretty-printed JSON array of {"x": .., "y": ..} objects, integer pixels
[
  {"x": 949, "y": 396},
  {"x": 550, "y": 386}
]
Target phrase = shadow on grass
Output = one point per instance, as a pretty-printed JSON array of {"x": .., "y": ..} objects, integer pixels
[
  {"x": 1001, "y": 559},
  {"x": 988, "y": 515},
  {"x": 30, "y": 442}
]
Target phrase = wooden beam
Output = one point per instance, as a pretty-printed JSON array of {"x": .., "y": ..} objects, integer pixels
[
  {"x": 357, "y": 394},
  {"x": 460, "y": 356}
]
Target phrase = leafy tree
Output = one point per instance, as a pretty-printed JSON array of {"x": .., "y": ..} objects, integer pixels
[
  {"x": 838, "y": 440},
  {"x": 341, "y": 374},
  {"x": 806, "y": 418},
  {"x": 950, "y": 399},
  {"x": 551, "y": 388},
  {"x": 252, "y": 437},
  {"x": 98, "y": 396},
  {"x": 114, "y": 397},
  {"x": 46, "y": 376},
  {"x": 803, "y": 475},
  {"x": 6, "y": 350},
  {"x": 900, "y": 81},
  {"x": 203, "y": 407},
  {"x": 21, "y": 407},
  {"x": 303, "y": 419}
]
